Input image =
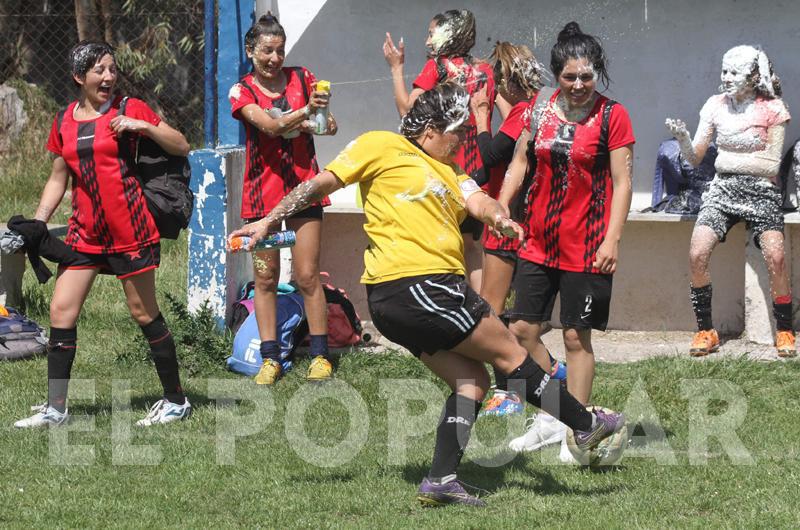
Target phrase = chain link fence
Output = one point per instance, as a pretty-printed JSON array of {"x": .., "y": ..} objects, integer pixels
[{"x": 159, "y": 50}]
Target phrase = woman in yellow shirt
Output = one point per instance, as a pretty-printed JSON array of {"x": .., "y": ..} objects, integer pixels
[{"x": 414, "y": 270}]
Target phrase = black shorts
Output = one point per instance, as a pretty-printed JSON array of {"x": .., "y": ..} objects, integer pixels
[
  {"x": 585, "y": 297},
  {"x": 312, "y": 212},
  {"x": 123, "y": 264},
  {"x": 508, "y": 255},
  {"x": 426, "y": 313},
  {"x": 733, "y": 198},
  {"x": 472, "y": 226}
]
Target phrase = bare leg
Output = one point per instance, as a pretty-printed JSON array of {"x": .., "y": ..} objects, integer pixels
[
  {"x": 464, "y": 376},
  {"x": 140, "y": 294},
  {"x": 305, "y": 270},
  {"x": 529, "y": 336},
  {"x": 72, "y": 287},
  {"x": 473, "y": 256},
  {"x": 772, "y": 248},
  {"x": 496, "y": 280},
  {"x": 266, "y": 271},
  {"x": 580, "y": 363},
  {"x": 704, "y": 239}
]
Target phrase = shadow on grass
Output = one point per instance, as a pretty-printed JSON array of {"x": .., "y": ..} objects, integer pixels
[
  {"x": 645, "y": 433},
  {"x": 491, "y": 479}
]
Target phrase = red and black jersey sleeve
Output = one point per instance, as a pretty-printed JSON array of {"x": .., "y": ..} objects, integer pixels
[{"x": 428, "y": 77}]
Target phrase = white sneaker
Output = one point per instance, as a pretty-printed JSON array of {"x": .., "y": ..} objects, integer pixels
[
  {"x": 164, "y": 411},
  {"x": 565, "y": 456},
  {"x": 542, "y": 430},
  {"x": 45, "y": 416}
]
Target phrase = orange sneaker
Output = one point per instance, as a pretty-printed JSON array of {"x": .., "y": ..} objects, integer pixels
[
  {"x": 704, "y": 342},
  {"x": 784, "y": 342}
]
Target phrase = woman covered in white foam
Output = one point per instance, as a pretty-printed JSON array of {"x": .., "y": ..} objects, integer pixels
[{"x": 749, "y": 119}]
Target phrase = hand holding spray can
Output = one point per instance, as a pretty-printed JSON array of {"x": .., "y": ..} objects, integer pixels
[
  {"x": 274, "y": 240},
  {"x": 321, "y": 118}
]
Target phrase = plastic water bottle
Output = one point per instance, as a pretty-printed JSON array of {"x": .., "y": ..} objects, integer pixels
[
  {"x": 283, "y": 239},
  {"x": 321, "y": 118}
]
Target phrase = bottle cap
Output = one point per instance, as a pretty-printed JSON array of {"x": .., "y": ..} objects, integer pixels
[{"x": 323, "y": 86}]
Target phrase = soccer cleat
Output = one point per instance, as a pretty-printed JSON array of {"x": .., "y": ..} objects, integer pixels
[
  {"x": 451, "y": 492},
  {"x": 606, "y": 424},
  {"x": 45, "y": 416},
  {"x": 704, "y": 342},
  {"x": 269, "y": 373},
  {"x": 543, "y": 430},
  {"x": 320, "y": 369},
  {"x": 784, "y": 342},
  {"x": 164, "y": 411},
  {"x": 503, "y": 403}
]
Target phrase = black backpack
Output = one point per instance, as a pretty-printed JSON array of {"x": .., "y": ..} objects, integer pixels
[{"x": 165, "y": 183}]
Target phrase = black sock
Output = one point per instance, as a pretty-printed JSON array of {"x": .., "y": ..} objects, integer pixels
[
  {"x": 270, "y": 349},
  {"x": 500, "y": 380},
  {"x": 452, "y": 435},
  {"x": 60, "y": 355},
  {"x": 162, "y": 350},
  {"x": 550, "y": 395},
  {"x": 783, "y": 316},
  {"x": 701, "y": 303},
  {"x": 319, "y": 345}
]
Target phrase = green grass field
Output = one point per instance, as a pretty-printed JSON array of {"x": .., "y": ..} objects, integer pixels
[
  {"x": 191, "y": 478},
  {"x": 190, "y": 475}
]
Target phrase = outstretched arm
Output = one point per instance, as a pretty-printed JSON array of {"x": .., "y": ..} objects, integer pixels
[
  {"x": 692, "y": 151},
  {"x": 396, "y": 56},
  {"x": 491, "y": 213},
  {"x": 298, "y": 199}
]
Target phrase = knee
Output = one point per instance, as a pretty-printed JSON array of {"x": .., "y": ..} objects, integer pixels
[
  {"x": 775, "y": 260},
  {"x": 63, "y": 314},
  {"x": 140, "y": 314},
  {"x": 476, "y": 387},
  {"x": 523, "y": 330},
  {"x": 266, "y": 278},
  {"x": 576, "y": 340},
  {"x": 307, "y": 280},
  {"x": 698, "y": 258}
]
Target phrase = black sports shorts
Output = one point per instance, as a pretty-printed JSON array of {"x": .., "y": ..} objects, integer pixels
[
  {"x": 123, "y": 264},
  {"x": 585, "y": 297},
  {"x": 426, "y": 313}
]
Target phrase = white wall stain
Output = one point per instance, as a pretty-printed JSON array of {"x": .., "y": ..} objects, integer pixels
[
  {"x": 645, "y": 11},
  {"x": 202, "y": 195}
]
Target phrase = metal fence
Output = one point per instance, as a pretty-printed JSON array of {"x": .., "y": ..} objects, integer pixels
[{"x": 159, "y": 47}]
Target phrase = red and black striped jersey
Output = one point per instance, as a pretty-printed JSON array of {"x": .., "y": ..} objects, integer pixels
[
  {"x": 109, "y": 212},
  {"x": 275, "y": 165},
  {"x": 473, "y": 77},
  {"x": 569, "y": 201}
]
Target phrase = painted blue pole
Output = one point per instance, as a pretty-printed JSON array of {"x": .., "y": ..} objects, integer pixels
[
  {"x": 210, "y": 82},
  {"x": 234, "y": 19}
]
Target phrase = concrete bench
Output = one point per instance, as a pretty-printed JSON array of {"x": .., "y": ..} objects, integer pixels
[{"x": 651, "y": 286}]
